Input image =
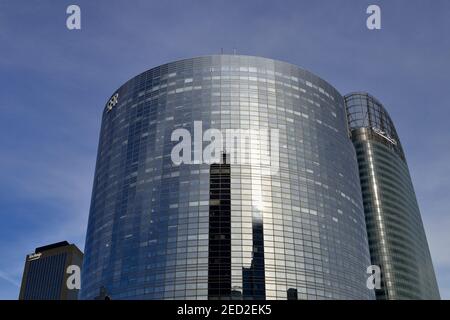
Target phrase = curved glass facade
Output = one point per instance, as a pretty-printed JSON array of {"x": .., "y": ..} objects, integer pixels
[
  {"x": 226, "y": 231},
  {"x": 397, "y": 238}
]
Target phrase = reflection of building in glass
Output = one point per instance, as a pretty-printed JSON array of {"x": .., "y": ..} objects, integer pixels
[
  {"x": 253, "y": 278},
  {"x": 230, "y": 231},
  {"x": 219, "y": 246},
  {"x": 396, "y": 235},
  {"x": 292, "y": 294}
]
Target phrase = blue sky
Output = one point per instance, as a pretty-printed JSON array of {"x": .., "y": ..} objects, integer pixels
[{"x": 55, "y": 82}]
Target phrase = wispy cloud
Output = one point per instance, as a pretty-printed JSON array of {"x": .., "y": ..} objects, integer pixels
[
  {"x": 46, "y": 193},
  {"x": 6, "y": 277}
]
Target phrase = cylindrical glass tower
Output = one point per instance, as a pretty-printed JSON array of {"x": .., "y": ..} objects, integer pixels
[
  {"x": 397, "y": 240},
  {"x": 160, "y": 230}
]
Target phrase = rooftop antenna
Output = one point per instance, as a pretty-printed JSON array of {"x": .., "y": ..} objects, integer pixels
[
  {"x": 221, "y": 50},
  {"x": 234, "y": 51}
]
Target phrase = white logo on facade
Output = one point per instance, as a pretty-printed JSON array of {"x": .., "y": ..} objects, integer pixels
[
  {"x": 34, "y": 256},
  {"x": 384, "y": 135},
  {"x": 112, "y": 102}
]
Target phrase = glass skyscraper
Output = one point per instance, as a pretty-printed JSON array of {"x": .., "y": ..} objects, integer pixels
[
  {"x": 161, "y": 230},
  {"x": 396, "y": 235}
]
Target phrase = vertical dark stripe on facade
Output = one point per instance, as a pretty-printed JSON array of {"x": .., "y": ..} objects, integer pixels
[
  {"x": 219, "y": 258},
  {"x": 253, "y": 278}
]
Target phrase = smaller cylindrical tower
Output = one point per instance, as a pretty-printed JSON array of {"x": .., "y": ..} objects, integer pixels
[{"x": 397, "y": 240}]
